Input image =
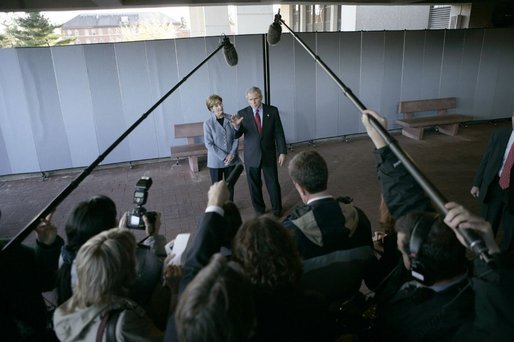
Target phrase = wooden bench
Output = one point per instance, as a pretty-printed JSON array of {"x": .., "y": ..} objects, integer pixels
[
  {"x": 446, "y": 123},
  {"x": 195, "y": 146}
]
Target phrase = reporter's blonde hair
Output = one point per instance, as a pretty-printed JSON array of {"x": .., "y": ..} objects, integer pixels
[{"x": 106, "y": 268}]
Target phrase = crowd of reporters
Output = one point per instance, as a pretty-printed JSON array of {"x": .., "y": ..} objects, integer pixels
[{"x": 264, "y": 280}]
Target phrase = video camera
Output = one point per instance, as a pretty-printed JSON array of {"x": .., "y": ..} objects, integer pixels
[{"x": 135, "y": 216}]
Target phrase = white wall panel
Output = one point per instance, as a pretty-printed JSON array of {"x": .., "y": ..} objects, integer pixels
[
  {"x": 62, "y": 106},
  {"x": 327, "y": 90},
  {"x": 17, "y": 136},
  {"x": 488, "y": 74},
  {"x": 350, "y": 67},
  {"x": 163, "y": 74},
  {"x": 433, "y": 53},
  {"x": 44, "y": 108},
  {"x": 106, "y": 100},
  {"x": 412, "y": 71},
  {"x": 372, "y": 70},
  {"x": 305, "y": 116},
  {"x": 76, "y": 104},
  {"x": 282, "y": 84},
  {"x": 504, "y": 93},
  {"x": 391, "y": 83},
  {"x": 132, "y": 65},
  {"x": 190, "y": 52},
  {"x": 460, "y": 67}
]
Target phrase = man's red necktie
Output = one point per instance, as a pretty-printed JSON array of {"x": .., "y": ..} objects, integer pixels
[
  {"x": 258, "y": 122},
  {"x": 505, "y": 177}
]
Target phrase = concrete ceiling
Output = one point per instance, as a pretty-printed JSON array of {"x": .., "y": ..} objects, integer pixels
[{"x": 54, "y": 5}]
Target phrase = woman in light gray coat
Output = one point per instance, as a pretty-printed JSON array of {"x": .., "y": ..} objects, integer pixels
[{"x": 220, "y": 142}]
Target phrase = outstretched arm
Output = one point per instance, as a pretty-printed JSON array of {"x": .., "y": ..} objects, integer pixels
[
  {"x": 492, "y": 282},
  {"x": 210, "y": 235},
  {"x": 402, "y": 194}
]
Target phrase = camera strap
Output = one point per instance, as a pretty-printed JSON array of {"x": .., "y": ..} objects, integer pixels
[{"x": 109, "y": 321}]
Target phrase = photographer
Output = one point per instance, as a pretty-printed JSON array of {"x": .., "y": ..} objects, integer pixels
[{"x": 96, "y": 215}]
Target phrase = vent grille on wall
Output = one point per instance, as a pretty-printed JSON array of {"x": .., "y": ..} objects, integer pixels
[{"x": 439, "y": 17}]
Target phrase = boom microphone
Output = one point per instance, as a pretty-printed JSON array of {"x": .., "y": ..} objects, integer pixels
[
  {"x": 230, "y": 57},
  {"x": 475, "y": 242},
  {"x": 229, "y": 51},
  {"x": 234, "y": 175},
  {"x": 275, "y": 30}
]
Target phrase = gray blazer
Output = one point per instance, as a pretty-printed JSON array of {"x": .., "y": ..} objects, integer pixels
[{"x": 220, "y": 142}]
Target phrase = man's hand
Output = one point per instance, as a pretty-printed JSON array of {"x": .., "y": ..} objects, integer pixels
[
  {"x": 372, "y": 133},
  {"x": 171, "y": 275},
  {"x": 236, "y": 120},
  {"x": 281, "y": 159},
  {"x": 475, "y": 191},
  {"x": 459, "y": 218},
  {"x": 152, "y": 228},
  {"x": 46, "y": 232},
  {"x": 218, "y": 194}
]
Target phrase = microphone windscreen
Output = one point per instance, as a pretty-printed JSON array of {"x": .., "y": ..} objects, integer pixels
[
  {"x": 230, "y": 53},
  {"x": 274, "y": 33}
]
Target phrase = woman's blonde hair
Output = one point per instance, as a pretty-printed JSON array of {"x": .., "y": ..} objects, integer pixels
[
  {"x": 106, "y": 267},
  {"x": 212, "y": 101}
]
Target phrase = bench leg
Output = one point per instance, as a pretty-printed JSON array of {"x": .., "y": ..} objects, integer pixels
[
  {"x": 451, "y": 129},
  {"x": 413, "y": 132},
  {"x": 193, "y": 164}
]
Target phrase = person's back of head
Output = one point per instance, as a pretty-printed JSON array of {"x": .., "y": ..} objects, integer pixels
[
  {"x": 440, "y": 256},
  {"x": 89, "y": 218},
  {"x": 86, "y": 220},
  {"x": 217, "y": 305},
  {"x": 106, "y": 267},
  {"x": 268, "y": 254},
  {"x": 309, "y": 170}
]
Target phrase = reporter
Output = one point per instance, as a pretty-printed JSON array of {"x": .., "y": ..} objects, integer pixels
[
  {"x": 217, "y": 305},
  {"x": 106, "y": 267},
  {"x": 268, "y": 254},
  {"x": 481, "y": 309},
  {"x": 99, "y": 214},
  {"x": 25, "y": 273},
  {"x": 211, "y": 235}
]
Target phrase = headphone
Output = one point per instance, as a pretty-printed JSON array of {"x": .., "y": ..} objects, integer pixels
[{"x": 419, "y": 269}]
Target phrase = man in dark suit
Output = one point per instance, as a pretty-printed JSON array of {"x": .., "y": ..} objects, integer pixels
[
  {"x": 264, "y": 141},
  {"x": 494, "y": 184}
]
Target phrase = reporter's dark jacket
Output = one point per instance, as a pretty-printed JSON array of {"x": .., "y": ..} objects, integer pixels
[
  {"x": 327, "y": 225},
  {"x": 401, "y": 192},
  {"x": 444, "y": 314}
]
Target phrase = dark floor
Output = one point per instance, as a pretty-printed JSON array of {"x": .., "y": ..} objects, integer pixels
[{"x": 181, "y": 196}]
